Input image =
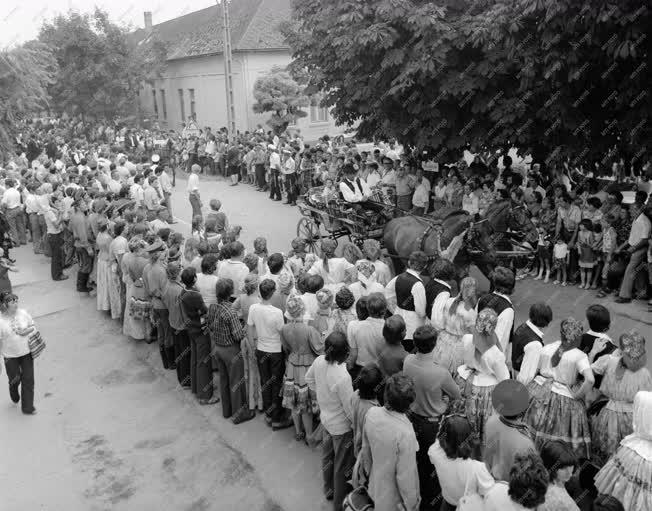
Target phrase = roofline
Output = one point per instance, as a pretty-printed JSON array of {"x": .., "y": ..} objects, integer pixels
[{"x": 239, "y": 50}]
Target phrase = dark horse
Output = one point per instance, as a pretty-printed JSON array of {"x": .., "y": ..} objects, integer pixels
[{"x": 404, "y": 235}]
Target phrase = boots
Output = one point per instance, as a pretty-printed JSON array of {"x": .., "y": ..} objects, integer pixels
[
  {"x": 171, "y": 357},
  {"x": 82, "y": 282},
  {"x": 164, "y": 357}
]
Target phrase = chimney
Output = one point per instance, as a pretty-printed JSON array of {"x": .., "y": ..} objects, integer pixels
[{"x": 148, "y": 20}]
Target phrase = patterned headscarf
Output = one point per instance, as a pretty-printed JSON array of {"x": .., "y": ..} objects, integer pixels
[
  {"x": 298, "y": 245},
  {"x": 285, "y": 282},
  {"x": 295, "y": 307},
  {"x": 632, "y": 346},
  {"x": 371, "y": 249},
  {"x": 136, "y": 243},
  {"x": 486, "y": 321},
  {"x": 571, "y": 334},
  {"x": 365, "y": 268}
]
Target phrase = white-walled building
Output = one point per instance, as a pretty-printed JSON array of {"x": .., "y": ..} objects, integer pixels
[{"x": 193, "y": 81}]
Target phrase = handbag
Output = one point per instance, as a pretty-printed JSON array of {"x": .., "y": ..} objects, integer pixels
[
  {"x": 358, "y": 500},
  {"x": 36, "y": 343}
]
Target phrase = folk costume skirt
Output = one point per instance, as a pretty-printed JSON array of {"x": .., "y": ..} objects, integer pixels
[
  {"x": 554, "y": 416},
  {"x": 627, "y": 477},
  {"x": 478, "y": 406}
]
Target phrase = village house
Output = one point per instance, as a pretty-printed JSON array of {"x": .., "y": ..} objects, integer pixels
[{"x": 193, "y": 82}]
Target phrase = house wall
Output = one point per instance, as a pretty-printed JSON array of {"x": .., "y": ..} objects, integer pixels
[{"x": 206, "y": 76}]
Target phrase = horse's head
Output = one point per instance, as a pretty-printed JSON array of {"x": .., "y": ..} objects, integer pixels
[
  {"x": 478, "y": 244},
  {"x": 519, "y": 221}
]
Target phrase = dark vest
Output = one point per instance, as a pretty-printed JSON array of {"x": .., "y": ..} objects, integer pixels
[
  {"x": 586, "y": 344},
  {"x": 433, "y": 288},
  {"x": 523, "y": 336},
  {"x": 498, "y": 304},
  {"x": 403, "y": 287}
]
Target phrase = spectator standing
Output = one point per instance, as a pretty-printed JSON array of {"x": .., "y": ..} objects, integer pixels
[
  {"x": 387, "y": 460},
  {"x": 177, "y": 328},
  {"x": 227, "y": 333},
  {"x": 331, "y": 382},
  {"x": 54, "y": 225},
  {"x": 193, "y": 191}
]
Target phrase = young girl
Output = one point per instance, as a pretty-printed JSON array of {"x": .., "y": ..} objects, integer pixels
[
  {"x": 609, "y": 245},
  {"x": 561, "y": 259},
  {"x": 197, "y": 228},
  {"x": 330, "y": 192},
  {"x": 543, "y": 253},
  {"x": 440, "y": 192},
  {"x": 585, "y": 250}
]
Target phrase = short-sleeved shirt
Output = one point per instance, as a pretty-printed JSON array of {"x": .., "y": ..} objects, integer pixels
[
  {"x": 571, "y": 365},
  {"x": 268, "y": 321}
]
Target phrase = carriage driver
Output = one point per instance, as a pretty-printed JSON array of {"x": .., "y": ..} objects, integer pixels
[{"x": 354, "y": 189}]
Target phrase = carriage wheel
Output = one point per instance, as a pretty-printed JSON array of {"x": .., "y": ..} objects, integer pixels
[{"x": 308, "y": 230}]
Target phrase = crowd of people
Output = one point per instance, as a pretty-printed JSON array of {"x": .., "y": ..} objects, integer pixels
[{"x": 421, "y": 392}]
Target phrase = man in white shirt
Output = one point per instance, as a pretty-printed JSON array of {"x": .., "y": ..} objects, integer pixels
[
  {"x": 406, "y": 294},
  {"x": 274, "y": 170},
  {"x": 636, "y": 245},
  {"x": 53, "y": 221},
  {"x": 136, "y": 191},
  {"x": 264, "y": 325},
  {"x": 151, "y": 200},
  {"x": 193, "y": 191},
  {"x": 353, "y": 188},
  {"x": 13, "y": 209},
  {"x": 166, "y": 187},
  {"x": 290, "y": 176}
]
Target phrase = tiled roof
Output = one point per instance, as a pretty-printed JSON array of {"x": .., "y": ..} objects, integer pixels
[{"x": 254, "y": 26}]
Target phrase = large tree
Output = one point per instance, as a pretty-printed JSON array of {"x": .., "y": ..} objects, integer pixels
[
  {"x": 557, "y": 77},
  {"x": 101, "y": 68},
  {"x": 25, "y": 74},
  {"x": 277, "y": 92}
]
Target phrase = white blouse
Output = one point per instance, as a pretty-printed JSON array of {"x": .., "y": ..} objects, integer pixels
[
  {"x": 337, "y": 268},
  {"x": 13, "y": 345},
  {"x": 491, "y": 369},
  {"x": 572, "y": 363}
]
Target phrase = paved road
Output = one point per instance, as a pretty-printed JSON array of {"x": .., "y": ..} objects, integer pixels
[{"x": 114, "y": 431}]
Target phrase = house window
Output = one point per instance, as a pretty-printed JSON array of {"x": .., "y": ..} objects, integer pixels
[
  {"x": 193, "y": 113},
  {"x": 182, "y": 106},
  {"x": 318, "y": 114},
  {"x": 163, "y": 104},
  {"x": 155, "y": 103}
]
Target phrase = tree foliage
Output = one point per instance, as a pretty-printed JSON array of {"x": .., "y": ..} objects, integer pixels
[
  {"x": 279, "y": 93},
  {"x": 101, "y": 68},
  {"x": 568, "y": 79},
  {"x": 25, "y": 74}
]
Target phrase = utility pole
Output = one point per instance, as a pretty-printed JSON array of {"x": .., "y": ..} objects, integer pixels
[{"x": 228, "y": 71}]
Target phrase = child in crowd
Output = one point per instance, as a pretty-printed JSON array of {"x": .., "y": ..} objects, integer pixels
[
  {"x": 420, "y": 198},
  {"x": 197, "y": 228},
  {"x": 560, "y": 253},
  {"x": 609, "y": 245},
  {"x": 369, "y": 381},
  {"x": 597, "y": 251},
  {"x": 219, "y": 217},
  {"x": 585, "y": 241},
  {"x": 330, "y": 192},
  {"x": 543, "y": 254}
]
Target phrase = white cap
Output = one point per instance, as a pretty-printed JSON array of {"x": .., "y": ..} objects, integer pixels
[{"x": 156, "y": 158}]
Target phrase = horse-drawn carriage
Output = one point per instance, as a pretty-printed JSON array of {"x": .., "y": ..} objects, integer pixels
[
  {"x": 328, "y": 216},
  {"x": 504, "y": 237}
]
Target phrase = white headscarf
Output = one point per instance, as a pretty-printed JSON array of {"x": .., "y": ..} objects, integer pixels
[{"x": 640, "y": 440}]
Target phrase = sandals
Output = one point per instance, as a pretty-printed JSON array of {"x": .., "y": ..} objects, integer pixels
[{"x": 299, "y": 436}]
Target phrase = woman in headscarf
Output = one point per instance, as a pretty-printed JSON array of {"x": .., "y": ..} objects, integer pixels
[
  {"x": 557, "y": 410},
  {"x": 625, "y": 374},
  {"x": 484, "y": 368},
  {"x": 117, "y": 249},
  {"x": 366, "y": 283},
  {"x": 330, "y": 268},
  {"x": 459, "y": 319},
  {"x": 323, "y": 319},
  {"x": 241, "y": 305},
  {"x": 135, "y": 324},
  {"x": 371, "y": 250},
  {"x": 302, "y": 344},
  {"x": 628, "y": 473}
]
